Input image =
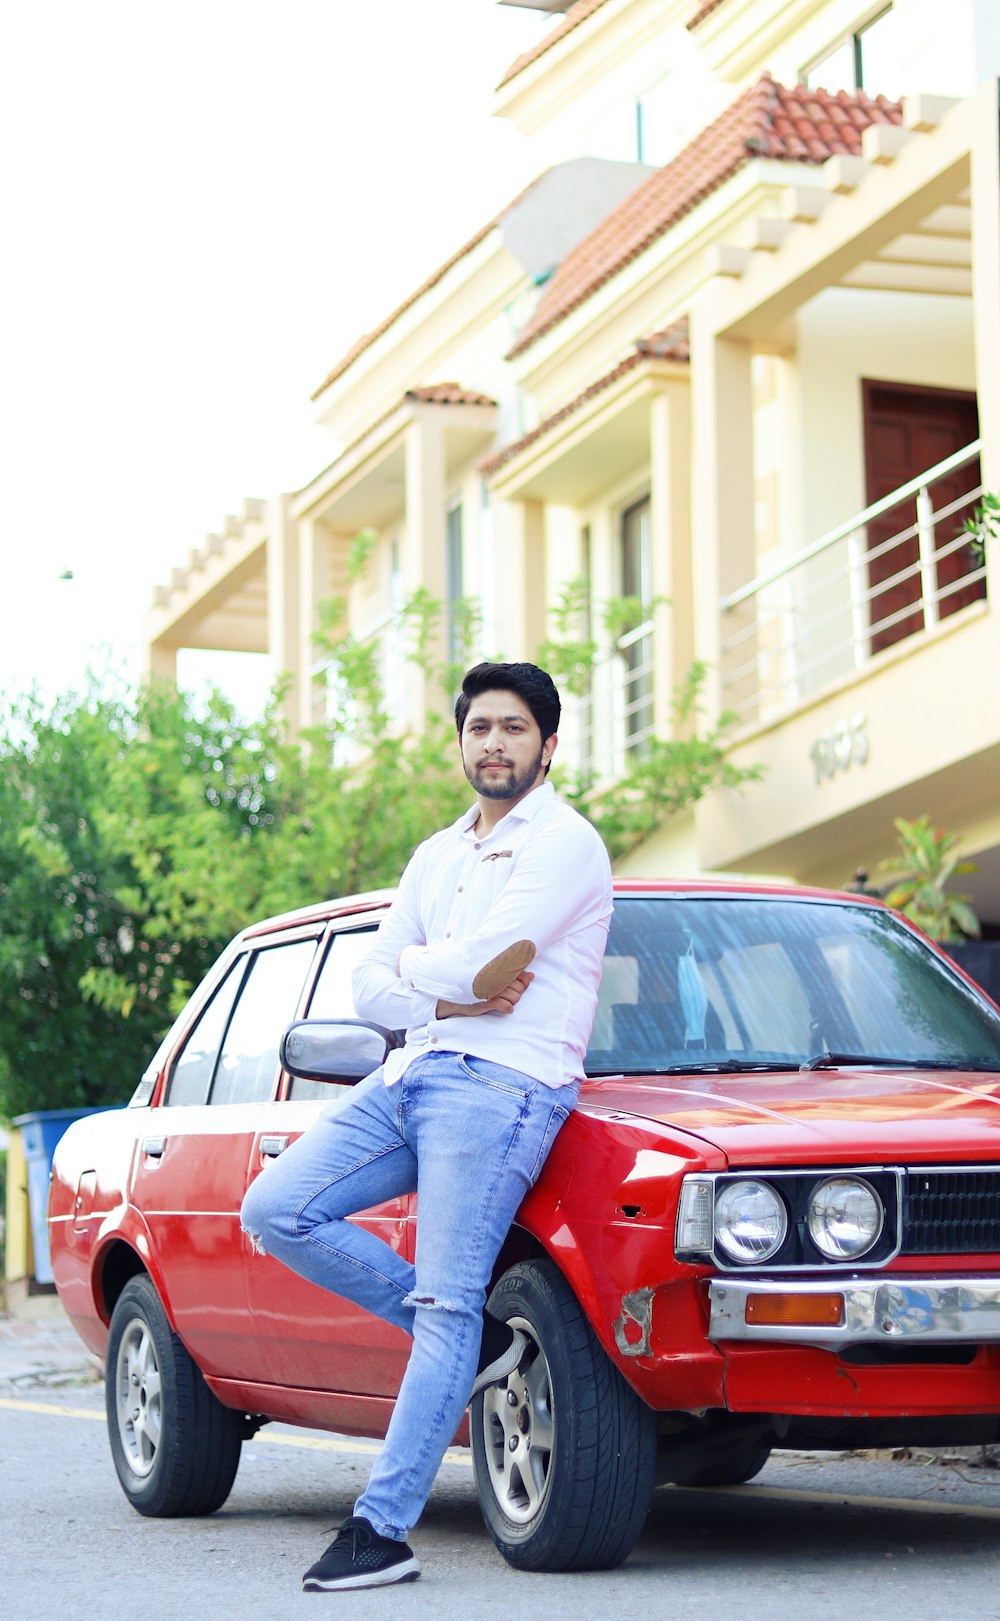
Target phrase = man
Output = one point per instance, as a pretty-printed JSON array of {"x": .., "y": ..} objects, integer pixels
[{"x": 466, "y": 1112}]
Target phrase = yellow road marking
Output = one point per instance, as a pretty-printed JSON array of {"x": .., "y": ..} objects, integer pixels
[
  {"x": 51, "y": 1407},
  {"x": 789, "y": 1494},
  {"x": 318, "y": 1443},
  {"x": 311, "y": 1443},
  {"x": 919, "y": 1505}
]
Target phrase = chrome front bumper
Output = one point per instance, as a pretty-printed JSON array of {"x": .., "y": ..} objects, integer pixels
[{"x": 948, "y": 1310}]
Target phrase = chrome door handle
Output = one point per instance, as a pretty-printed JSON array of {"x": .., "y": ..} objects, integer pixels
[
  {"x": 153, "y": 1147},
  {"x": 271, "y": 1147}
]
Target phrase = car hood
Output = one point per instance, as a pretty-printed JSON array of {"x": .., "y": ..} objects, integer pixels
[{"x": 838, "y": 1115}]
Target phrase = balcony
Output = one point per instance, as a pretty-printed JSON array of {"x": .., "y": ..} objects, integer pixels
[{"x": 895, "y": 571}]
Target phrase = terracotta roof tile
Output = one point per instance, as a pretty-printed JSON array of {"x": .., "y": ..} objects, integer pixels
[
  {"x": 768, "y": 121},
  {"x": 670, "y": 344},
  {"x": 447, "y": 394},
  {"x": 571, "y": 19},
  {"x": 434, "y": 394},
  {"x": 704, "y": 10}
]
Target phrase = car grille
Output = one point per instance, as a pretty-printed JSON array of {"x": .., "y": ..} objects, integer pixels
[{"x": 951, "y": 1212}]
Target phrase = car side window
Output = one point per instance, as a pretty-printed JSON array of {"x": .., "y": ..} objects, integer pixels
[
  {"x": 248, "y": 1061},
  {"x": 332, "y": 998},
  {"x": 191, "y": 1075}
]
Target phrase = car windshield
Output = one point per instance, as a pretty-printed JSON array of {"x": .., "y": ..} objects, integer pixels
[{"x": 738, "y": 982}]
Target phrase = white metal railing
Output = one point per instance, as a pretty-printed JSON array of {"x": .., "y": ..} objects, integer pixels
[
  {"x": 839, "y": 602},
  {"x": 602, "y": 728},
  {"x": 614, "y": 719}
]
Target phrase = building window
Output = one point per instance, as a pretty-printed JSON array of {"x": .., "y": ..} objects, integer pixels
[
  {"x": 613, "y": 134},
  {"x": 456, "y": 637},
  {"x": 648, "y": 128},
  {"x": 867, "y": 59},
  {"x": 661, "y": 127},
  {"x": 637, "y": 584}
]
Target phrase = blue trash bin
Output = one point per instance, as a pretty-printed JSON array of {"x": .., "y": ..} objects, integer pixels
[{"x": 39, "y": 1135}]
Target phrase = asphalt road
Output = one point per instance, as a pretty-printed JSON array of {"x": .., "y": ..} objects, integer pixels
[
  {"x": 818, "y": 1537},
  {"x": 832, "y": 1538}
]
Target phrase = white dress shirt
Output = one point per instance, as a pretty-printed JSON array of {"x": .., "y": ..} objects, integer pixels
[{"x": 542, "y": 875}]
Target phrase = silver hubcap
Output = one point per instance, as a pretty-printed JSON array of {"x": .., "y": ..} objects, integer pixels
[
  {"x": 137, "y": 1397},
  {"x": 519, "y": 1432}
]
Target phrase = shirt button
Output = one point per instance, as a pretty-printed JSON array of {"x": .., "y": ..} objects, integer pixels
[
  {"x": 477, "y": 847},
  {"x": 447, "y": 934},
  {"x": 433, "y": 1041},
  {"x": 460, "y": 888}
]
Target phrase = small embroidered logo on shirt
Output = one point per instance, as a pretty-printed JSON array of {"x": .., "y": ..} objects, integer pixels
[{"x": 499, "y": 855}]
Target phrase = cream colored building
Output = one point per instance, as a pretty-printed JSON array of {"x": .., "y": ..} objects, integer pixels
[{"x": 737, "y": 352}]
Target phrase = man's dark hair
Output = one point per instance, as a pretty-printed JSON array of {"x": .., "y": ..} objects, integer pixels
[{"x": 535, "y": 687}]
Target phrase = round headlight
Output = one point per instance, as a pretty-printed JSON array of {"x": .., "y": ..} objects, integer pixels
[
  {"x": 845, "y": 1217},
  {"x": 751, "y": 1221}
]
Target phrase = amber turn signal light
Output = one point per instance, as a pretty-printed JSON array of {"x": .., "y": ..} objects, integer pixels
[{"x": 808, "y": 1311}]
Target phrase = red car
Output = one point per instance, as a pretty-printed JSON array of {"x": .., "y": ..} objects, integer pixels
[{"x": 772, "y": 1221}]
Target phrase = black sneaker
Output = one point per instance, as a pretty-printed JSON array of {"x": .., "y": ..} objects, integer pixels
[
  {"x": 359, "y": 1557},
  {"x": 501, "y": 1351}
]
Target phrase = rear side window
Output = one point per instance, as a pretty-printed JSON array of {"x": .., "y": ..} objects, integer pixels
[{"x": 231, "y": 1055}]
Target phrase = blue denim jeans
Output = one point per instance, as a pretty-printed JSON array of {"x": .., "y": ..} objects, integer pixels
[{"x": 470, "y": 1138}]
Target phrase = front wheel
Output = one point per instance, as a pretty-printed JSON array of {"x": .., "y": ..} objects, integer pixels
[
  {"x": 175, "y": 1447},
  {"x": 564, "y": 1449}
]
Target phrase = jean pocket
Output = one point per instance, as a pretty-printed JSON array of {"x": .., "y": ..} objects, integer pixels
[
  {"x": 558, "y": 1117},
  {"x": 486, "y": 1073}
]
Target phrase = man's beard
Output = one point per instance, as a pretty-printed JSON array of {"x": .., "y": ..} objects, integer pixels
[{"x": 509, "y": 784}]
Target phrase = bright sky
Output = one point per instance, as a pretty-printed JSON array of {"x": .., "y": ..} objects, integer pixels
[{"x": 204, "y": 203}]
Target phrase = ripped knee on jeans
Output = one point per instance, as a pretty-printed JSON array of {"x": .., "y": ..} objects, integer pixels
[{"x": 431, "y": 1302}]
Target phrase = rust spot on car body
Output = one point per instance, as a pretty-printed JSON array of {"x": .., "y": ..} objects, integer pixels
[{"x": 634, "y": 1326}]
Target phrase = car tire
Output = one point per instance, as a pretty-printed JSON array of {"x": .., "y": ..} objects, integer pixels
[
  {"x": 563, "y": 1450},
  {"x": 175, "y": 1447},
  {"x": 741, "y": 1465}
]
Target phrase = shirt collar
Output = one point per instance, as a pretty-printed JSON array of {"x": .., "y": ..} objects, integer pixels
[{"x": 524, "y": 811}]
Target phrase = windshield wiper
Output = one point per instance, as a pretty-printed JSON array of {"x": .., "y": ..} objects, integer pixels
[
  {"x": 722, "y": 1066},
  {"x": 728, "y": 1066},
  {"x": 837, "y": 1060}
]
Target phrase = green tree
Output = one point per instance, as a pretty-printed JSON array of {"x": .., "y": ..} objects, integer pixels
[
  {"x": 927, "y": 862},
  {"x": 137, "y": 835},
  {"x": 667, "y": 777},
  {"x": 127, "y": 839}
]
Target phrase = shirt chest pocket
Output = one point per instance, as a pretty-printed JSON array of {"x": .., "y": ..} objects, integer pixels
[{"x": 483, "y": 882}]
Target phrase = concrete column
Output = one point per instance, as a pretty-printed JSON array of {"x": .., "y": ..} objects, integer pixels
[
  {"x": 283, "y": 606},
  {"x": 722, "y": 481},
  {"x": 986, "y": 276},
  {"x": 161, "y": 663},
  {"x": 320, "y": 578},
  {"x": 424, "y": 551},
  {"x": 522, "y": 583},
  {"x": 670, "y": 534}
]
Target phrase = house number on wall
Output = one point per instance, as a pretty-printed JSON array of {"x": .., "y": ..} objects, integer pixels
[{"x": 844, "y": 745}]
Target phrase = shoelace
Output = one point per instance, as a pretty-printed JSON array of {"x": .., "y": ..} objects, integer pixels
[{"x": 358, "y": 1531}]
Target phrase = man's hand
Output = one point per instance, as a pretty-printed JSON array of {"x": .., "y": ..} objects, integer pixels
[{"x": 505, "y": 1001}]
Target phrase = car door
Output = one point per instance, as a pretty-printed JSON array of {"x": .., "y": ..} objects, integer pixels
[
  {"x": 191, "y": 1163},
  {"x": 308, "y": 1337}
]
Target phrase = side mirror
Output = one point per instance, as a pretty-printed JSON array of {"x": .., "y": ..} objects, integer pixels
[{"x": 334, "y": 1049}]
